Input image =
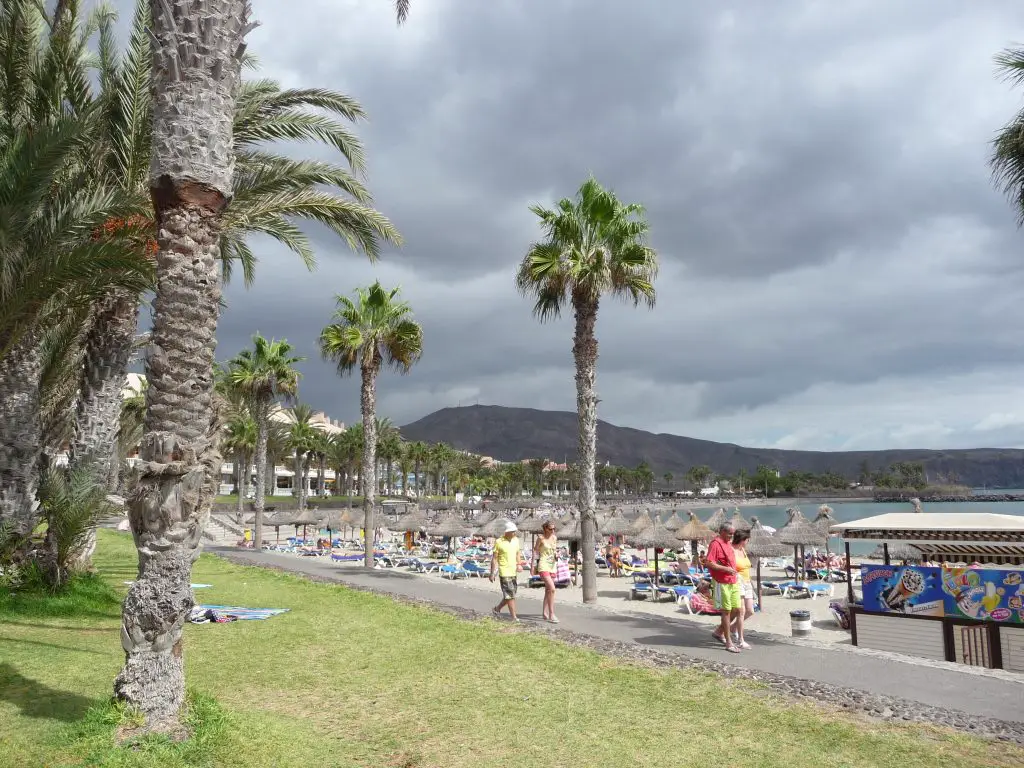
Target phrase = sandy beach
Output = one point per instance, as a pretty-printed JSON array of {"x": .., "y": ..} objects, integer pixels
[{"x": 613, "y": 596}]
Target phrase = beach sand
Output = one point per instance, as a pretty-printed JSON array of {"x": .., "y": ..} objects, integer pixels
[{"x": 613, "y": 596}]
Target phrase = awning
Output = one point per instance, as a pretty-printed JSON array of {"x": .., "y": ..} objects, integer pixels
[{"x": 956, "y": 537}]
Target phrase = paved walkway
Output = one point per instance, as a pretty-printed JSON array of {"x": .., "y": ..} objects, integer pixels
[{"x": 939, "y": 684}]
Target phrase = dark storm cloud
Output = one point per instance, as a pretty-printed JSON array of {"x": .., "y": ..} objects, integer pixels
[{"x": 838, "y": 271}]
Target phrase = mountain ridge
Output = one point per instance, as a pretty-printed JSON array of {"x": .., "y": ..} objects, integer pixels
[{"x": 511, "y": 434}]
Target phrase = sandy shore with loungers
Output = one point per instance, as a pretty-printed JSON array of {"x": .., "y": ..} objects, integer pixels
[{"x": 614, "y": 596}]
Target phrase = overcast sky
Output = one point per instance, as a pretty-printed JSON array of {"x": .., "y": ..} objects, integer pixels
[{"x": 837, "y": 270}]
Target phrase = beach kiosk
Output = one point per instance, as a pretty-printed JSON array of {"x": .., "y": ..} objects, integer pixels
[{"x": 961, "y": 600}]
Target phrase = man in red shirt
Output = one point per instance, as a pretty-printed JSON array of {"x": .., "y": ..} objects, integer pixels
[{"x": 722, "y": 564}]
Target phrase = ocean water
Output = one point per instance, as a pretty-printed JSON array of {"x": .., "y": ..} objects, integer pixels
[{"x": 775, "y": 515}]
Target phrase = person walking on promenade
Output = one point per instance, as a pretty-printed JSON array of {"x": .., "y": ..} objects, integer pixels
[
  {"x": 545, "y": 566},
  {"x": 746, "y": 611},
  {"x": 722, "y": 564},
  {"x": 505, "y": 562}
]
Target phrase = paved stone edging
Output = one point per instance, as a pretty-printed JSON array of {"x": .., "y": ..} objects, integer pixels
[{"x": 884, "y": 708}]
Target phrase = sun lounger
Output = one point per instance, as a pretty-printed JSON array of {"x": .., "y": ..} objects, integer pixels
[
  {"x": 453, "y": 572},
  {"x": 473, "y": 568},
  {"x": 806, "y": 589}
]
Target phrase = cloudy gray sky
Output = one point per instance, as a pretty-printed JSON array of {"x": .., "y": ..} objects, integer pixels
[{"x": 837, "y": 270}]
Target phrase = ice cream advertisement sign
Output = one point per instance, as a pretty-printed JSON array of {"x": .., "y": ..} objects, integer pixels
[
  {"x": 981, "y": 593},
  {"x": 974, "y": 593},
  {"x": 905, "y": 589}
]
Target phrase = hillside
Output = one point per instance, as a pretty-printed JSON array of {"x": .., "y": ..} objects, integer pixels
[{"x": 520, "y": 433}]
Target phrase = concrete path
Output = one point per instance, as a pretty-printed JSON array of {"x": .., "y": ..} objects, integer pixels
[{"x": 978, "y": 693}]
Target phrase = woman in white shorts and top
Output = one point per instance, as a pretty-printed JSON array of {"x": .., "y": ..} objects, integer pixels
[{"x": 739, "y": 546}]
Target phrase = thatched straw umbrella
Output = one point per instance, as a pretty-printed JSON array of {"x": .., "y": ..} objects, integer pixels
[
  {"x": 494, "y": 528},
  {"x": 763, "y": 544},
  {"x": 308, "y": 516},
  {"x": 531, "y": 522},
  {"x": 896, "y": 551},
  {"x": 738, "y": 521},
  {"x": 657, "y": 536},
  {"x": 799, "y": 533},
  {"x": 717, "y": 519},
  {"x": 279, "y": 519},
  {"x": 451, "y": 527},
  {"x": 615, "y": 525},
  {"x": 674, "y": 522},
  {"x": 332, "y": 521},
  {"x": 692, "y": 532},
  {"x": 824, "y": 521},
  {"x": 642, "y": 522}
]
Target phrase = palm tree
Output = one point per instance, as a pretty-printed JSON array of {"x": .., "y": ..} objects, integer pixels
[
  {"x": 418, "y": 452},
  {"x": 1007, "y": 161},
  {"x": 301, "y": 439},
  {"x": 263, "y": 375},
  {"x": 319, "y": 446},
  {"x": 371, "y": 330},
  {"x": 405, "y": 465},
  {"x": 389, "y": 449},
  {"x": 242, "y": 439},
  {"x": 191, "y": 180},
  {"x": 52, "y": 267},
  {"x": 270, "y": 193},
  {"x": 594, "y": 246}
]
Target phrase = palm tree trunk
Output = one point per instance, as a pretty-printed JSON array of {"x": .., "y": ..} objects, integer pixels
[
  {"x": 20, "y": 429},
  {"x": 297, "y": 478},
  {"x": 367, "y": 481},
  {"x": 197, "y": 55},
  {"x": 416, "y": 478},
  {"x": 262, "y": 437},
  {"x": 239, "y": 486},
  {"x": 584, "y": 351},
  {"x": 109, "y": 344},
  {"x": 321, "y": 475}
]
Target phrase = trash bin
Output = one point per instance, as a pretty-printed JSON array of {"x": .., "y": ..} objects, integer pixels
[{"x": 800, "y": 623}]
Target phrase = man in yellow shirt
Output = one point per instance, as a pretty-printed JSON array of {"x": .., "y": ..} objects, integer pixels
[{"x": 505, "y": 561}]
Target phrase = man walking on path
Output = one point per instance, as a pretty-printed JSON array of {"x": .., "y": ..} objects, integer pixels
[
  {"x": 506, "y": 561},
  {"x": 722, "y": 564}
]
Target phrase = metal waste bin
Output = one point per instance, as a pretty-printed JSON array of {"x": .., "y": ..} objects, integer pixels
[{"x": 800, "y": 623}]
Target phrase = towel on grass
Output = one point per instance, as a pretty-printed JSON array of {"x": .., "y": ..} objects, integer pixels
[{"x": 219, "y": 614}]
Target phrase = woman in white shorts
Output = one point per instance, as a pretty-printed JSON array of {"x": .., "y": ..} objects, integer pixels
[{"x": 739, "y": 546}]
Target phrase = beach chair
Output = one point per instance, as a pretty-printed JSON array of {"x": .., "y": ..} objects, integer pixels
[
  {"x": 453, "y": 572},
  {"x": 641, "y": 587},
  {"x": 682, "y": 596},
  {"x": 806, "y": 589},
  {"x": 473, "y": 568}
]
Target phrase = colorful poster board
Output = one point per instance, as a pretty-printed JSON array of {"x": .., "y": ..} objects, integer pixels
[
  {"x": 904, "y": 589},
  {"x": 985, "y": 594}
]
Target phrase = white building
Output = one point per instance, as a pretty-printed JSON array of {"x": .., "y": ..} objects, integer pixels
[{"x": 284, "y": 476}]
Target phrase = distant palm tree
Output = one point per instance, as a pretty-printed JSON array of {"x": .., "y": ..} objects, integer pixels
[
  {"x": 264, "y": 374},
  {"x": 301, "y": 440},
  {"x": 593, "y": 246},
  {"x": 371, "y": 330},
  {"x": 418, "y": 452},
  {"x": 242, "y": 440}
]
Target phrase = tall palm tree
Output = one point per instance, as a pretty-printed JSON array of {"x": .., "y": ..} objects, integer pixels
[
  {"x": 593, "y": 246},
  {"x": 195, "y": 88},
  {"x": 389, "y": 449},
  {"x": 373, "y": 329},
  {"x": 263, "y": 375},
  {"x": 52, "y": 266},
  {"x": 271, "y": 193},
  {"x": 319, "y": 446}
]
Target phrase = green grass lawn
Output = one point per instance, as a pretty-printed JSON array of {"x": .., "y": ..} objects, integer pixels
[{"x": 350, "y": 679}]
